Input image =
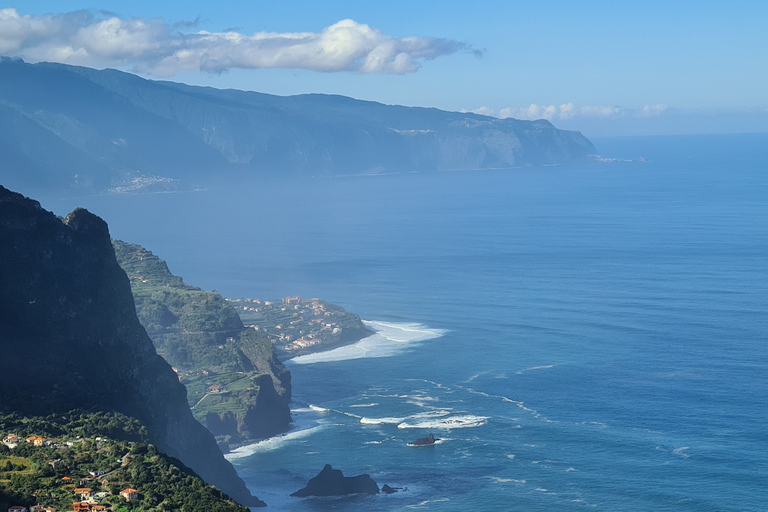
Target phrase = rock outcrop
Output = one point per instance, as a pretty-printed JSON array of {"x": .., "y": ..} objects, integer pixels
[
  {"x": 71, "y": 338},
  {"x": 332, "y": 482},
  {"x": 424, "y": 441}
]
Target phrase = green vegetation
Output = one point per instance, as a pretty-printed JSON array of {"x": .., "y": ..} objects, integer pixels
[
  {"x": 49, "y": 474},
  {"x": 202, "y": 337},
  {"x": 71, "y": 339},
  {"x": 165, "y": 304}
]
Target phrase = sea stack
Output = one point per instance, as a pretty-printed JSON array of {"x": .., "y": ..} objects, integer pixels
[
  {"x": 424, "y": 441},
  {"x": 332, "y": 482}
]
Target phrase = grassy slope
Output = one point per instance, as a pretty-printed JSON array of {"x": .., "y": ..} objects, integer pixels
[{"x": 201, "y": 335}]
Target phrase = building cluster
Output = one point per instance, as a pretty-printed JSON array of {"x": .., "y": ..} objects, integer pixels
[
  {"x": 86, "y": 499},
  {"x": 292, "y": 323},
  {"x": 12, "y": 441}
]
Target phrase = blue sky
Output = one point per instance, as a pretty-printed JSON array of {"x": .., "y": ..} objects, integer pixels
[{"x": 605, "y": 68}]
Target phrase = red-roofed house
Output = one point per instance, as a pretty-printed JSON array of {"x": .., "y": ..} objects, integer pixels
[
  {"x": 18, "y": 508},
  {"x": 130, "y": 494},
  {"x": 81, "y": 507},
  {"x": 84, "y": 492}
]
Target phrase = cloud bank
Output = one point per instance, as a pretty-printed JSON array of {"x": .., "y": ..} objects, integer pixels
[
  {"x": 570, "y": 111},
  {"x": 154, "y": 47}
]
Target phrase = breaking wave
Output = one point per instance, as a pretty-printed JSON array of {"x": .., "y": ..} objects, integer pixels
[
  {"x": 389, "y": 339},
  {"x": 379, "y": 421},
  {"x": 464, "y": 421},
  {"x": 271, "y": 444}
]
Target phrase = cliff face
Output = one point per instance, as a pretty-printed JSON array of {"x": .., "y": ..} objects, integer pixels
[
  {"x": 71, "y": 338},
  {"x": 83, "y": 128},
  {"x": 200, "y": 334}
]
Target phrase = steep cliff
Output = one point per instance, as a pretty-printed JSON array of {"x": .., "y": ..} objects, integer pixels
[
  {"x": 71, "y": 338},
  {"x": 201, "y": 335},
  {"x": 88, "y": 127}
]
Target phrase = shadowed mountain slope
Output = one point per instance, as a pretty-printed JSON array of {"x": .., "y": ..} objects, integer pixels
[
  {"x": 117, "y": 128},
  {"x": 71, "y": 338}
]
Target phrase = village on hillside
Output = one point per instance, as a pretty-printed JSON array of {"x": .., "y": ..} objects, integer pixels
[
  {"x": 94, "y": 490},
  {"x": 297, "y": 326}
]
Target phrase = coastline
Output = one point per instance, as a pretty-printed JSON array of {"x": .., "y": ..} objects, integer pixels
[
  {"x": 388, "y": 339},
  {"x": 319, "y": 349},
  {"x": 385, "y": 339},
  {"x": 284, "y": 356}
]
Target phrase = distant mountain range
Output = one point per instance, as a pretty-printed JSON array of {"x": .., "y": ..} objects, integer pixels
[{"x": 73, "y": 128}]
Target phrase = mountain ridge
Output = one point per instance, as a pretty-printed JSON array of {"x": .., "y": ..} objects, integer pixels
[{"x": 117, "y": 126}]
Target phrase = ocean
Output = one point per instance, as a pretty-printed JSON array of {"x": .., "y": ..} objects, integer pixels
[{"x": 589, "y": 337}]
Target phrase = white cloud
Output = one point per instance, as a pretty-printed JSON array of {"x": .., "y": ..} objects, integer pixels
[
  {"x": 652, "y": 110},
  {"x": 154, "y": 47},
  {"x": 533, "y": 111},
  {"x": 602, "y": 112},
  {"x": 569, "y": 111}
]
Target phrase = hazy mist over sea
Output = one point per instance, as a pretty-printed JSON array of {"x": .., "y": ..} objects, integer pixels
[{"x": 585, "y": 337}]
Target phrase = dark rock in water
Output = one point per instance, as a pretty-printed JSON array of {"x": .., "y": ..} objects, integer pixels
[
  {"x": 390, "y": 490},
  {"x": 424, "y": 441},
  {"x": 332, "y": 482}
]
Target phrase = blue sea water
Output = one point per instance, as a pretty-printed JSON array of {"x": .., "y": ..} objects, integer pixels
[{"x": 580, "y": 338}]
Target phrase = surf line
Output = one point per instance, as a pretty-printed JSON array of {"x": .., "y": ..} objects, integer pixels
[{"x": 521, "y": 405}]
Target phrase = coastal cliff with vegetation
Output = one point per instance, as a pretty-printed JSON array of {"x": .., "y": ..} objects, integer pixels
[
  {"x": 236, "y": 385},
  {"x": 85, "y": 130},
  {"x": 71, "y": 339},
  {"x": 297, "y": 326},
  {"x": 96, "y": 462}
]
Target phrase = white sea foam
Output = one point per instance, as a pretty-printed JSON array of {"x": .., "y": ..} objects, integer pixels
[
  {"x": 509, "y": 400},
  {"x": 379, "y": 421},
  {"x": 461, "y": 421},
  {"x": 388, "y": 340},
  {"x": 271, "y": 444},
  {"x": 421, "y": 398},
  {"x": 545, "y": 367},
  {"x": 365, "y": 405},
  {"x": 500, "y": 480},
  {"x": 680, "y": 452},
  {"x": 431, "y": 382},
  {"x": 437, "y": 413},
  {"x": 318, "y": 408},
  {"x": 426, "y": 502}
]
